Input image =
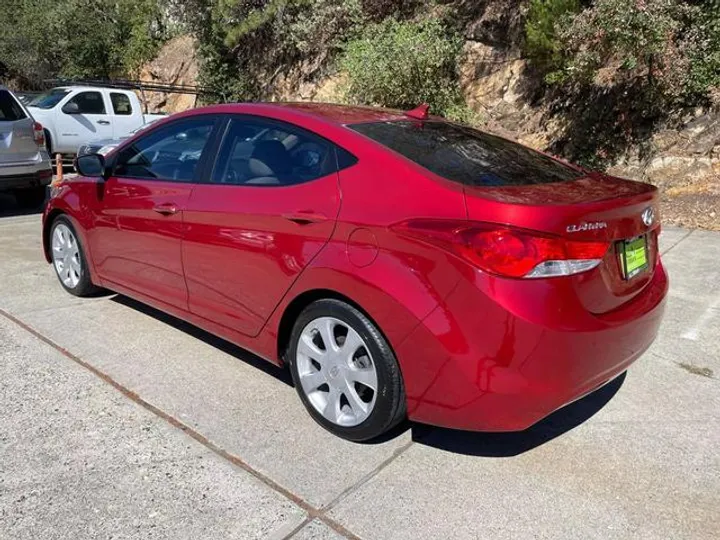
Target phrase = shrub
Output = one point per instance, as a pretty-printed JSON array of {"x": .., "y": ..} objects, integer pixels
[
  {"x": 671, "y": 45},
  {"x": 245, "y": 44},
  {"x": 401, "y": 64},
  {"x": 542, "y": 43},
  {"x": 704, "y": 53}
]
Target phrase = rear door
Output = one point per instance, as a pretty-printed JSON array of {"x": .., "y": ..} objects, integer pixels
[
  {"x": 268, "y": 208},
  {"x": 17, "y": 142},
  {"x": 126, "y": 115},
  {"x": 136, "y": 241}
]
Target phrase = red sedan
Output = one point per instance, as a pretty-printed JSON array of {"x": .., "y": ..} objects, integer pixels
[{"x": 399, "y": 264}]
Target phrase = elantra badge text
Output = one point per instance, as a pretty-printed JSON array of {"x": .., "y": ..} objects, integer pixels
[{"x": 587, "y": 226}]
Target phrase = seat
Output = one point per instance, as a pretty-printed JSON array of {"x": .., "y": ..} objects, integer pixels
[{"x": 269, "y": 163}]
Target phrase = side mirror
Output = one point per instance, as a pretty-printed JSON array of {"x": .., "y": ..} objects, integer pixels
[
  {"x": 71, "y": 108},
  {"x": 90, "y": 165}
]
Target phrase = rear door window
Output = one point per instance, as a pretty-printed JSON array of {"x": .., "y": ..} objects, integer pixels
[
  {"x": 465, "y": 155},
  {"x": 121, "y": 104},
  {"x": 258, "y": 152},
  {"x": 10, "y": 110}
]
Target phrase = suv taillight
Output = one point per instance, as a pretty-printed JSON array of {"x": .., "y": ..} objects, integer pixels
[
  {"x": 39, "y": 134},
  {"x": 507, "y": 251}
]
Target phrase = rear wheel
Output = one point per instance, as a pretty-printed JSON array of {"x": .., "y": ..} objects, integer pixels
[
  {"x": 31, "y": 197},
  {"x": 345, "y": 372},
  {"x": 69, "y": 259}
]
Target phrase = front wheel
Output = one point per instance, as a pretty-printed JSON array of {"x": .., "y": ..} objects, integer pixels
[
  {"x": 345, "y": 372},
  {"x": 69, "y": 259}
]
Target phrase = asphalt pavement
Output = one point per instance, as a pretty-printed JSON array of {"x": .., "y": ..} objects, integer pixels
[{"x": 117, "y": 421}]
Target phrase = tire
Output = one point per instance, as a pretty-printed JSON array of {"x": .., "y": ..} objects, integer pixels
[
  {"x": 67, "y": 253},
  {"x": 336, "y": 383},
  {"x": 31, "y": 197},
  {"x": 48, "y": 144}
]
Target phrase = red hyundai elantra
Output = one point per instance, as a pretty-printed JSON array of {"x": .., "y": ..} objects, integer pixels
[{"x": 401, "y": 265}]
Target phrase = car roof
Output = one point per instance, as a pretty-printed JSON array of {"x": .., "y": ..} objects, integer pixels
[
  {"x": 344, "y": 114},
  {"x": 329, "y": 113}
]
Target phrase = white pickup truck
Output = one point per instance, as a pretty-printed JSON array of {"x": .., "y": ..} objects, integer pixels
[{"x": 77, "y": 115}]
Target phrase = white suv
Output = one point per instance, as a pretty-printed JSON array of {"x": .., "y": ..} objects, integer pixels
[{"x": 25, "y": 167}]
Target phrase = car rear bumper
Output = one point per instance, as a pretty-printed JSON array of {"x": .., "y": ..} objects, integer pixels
[
  {"x": 503, "y": 364},
  {"x": 26, "y": 175}
]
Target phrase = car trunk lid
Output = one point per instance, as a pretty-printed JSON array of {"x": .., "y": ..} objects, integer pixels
[
  {"x": 593, "y": 208},
  {"x": 17, "y": 139}
]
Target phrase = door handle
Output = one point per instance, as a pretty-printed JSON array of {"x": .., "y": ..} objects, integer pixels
[
  {"x": 104, "y": 122},
  {"x": 305, "y": 217},
  {"x": 167, "y": 209}
]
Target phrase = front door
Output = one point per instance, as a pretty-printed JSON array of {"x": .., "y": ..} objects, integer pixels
[
  {"x": 83, "y": 118},
  {"x": 269, "y": 207},
  {"x": 136, "y": 241}
]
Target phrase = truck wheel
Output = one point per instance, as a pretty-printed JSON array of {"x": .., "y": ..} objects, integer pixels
[{"x": 31, "y": 197}]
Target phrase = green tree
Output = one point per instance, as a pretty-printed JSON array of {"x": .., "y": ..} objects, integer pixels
[
  {"x": 42, "y": 39},
  {"x": 542, "y": 42},
  {"x": 402, "y": 64}
]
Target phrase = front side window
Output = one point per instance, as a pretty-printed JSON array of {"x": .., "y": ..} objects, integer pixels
[
  {"x": 466, "y": 155},
  {"x": 10, "y": 110},
  {"x": 89, "y": 103},
  {"x": 259, "y": 152},
  {"x": 121, "y": 104},
  {"x": 49, "y": 99},
  {"x": 171, "y": 153}
]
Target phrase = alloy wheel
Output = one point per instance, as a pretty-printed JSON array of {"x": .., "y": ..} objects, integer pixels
[
  {"x": 336, "y": 371},
  {"x": 66, "y": 255}
]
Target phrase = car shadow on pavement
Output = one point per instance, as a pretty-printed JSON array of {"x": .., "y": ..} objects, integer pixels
[
  {"x": 225, "y": 346},
  {"x": 451, "y": 440},
  {"x": 515, "y": 443},
  {"x": 10, "y": 208}
]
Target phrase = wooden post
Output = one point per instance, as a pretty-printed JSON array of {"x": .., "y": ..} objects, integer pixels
[{"x": 59, "y": 168}]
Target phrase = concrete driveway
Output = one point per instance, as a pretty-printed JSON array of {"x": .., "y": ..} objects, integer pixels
[{"x": 117, "y": 421}]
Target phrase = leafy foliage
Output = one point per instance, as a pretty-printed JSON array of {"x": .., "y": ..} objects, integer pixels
[
  {"x": 78, "y": 38},
  {"x": 401, "y": 64},
  {"x": 704, "y": 52},
  {"x": 673, "y": 44},
  {"x": 244, "y": 44},
  {"x": 542, "y": 43}
]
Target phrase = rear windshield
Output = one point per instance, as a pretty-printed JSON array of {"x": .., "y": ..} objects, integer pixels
[
  {"x": 49, "y": 99},
  {"x": 465, "y": 155},
  {"x": 10, "y": 110}
]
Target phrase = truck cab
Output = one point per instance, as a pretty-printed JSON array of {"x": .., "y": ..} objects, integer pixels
[{"x": 77, "y": 115}]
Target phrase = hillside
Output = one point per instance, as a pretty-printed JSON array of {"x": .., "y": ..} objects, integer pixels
[
  {"x": 602, "y": 123},
  {"x": 632, "y": 87}
]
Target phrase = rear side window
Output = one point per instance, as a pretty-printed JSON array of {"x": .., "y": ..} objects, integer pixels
[
  {"x": 121, "y": 104},
  {"x": 465, "y": 155},
  {"x": 10, "y": 110},
  {"x": 89, "y": 103}
]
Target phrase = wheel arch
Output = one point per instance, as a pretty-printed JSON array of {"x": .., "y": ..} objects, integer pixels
[
  {"x": 47, "y": 226},
  {"x": 48, "y": 141},
  {"x": 298, "y": 304},
  {"x": 63, "y": 210}
]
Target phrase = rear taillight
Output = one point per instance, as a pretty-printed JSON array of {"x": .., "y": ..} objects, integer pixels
[
  {"x": 508, "y": 251},
  {"x": 39, "y": 134}
]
